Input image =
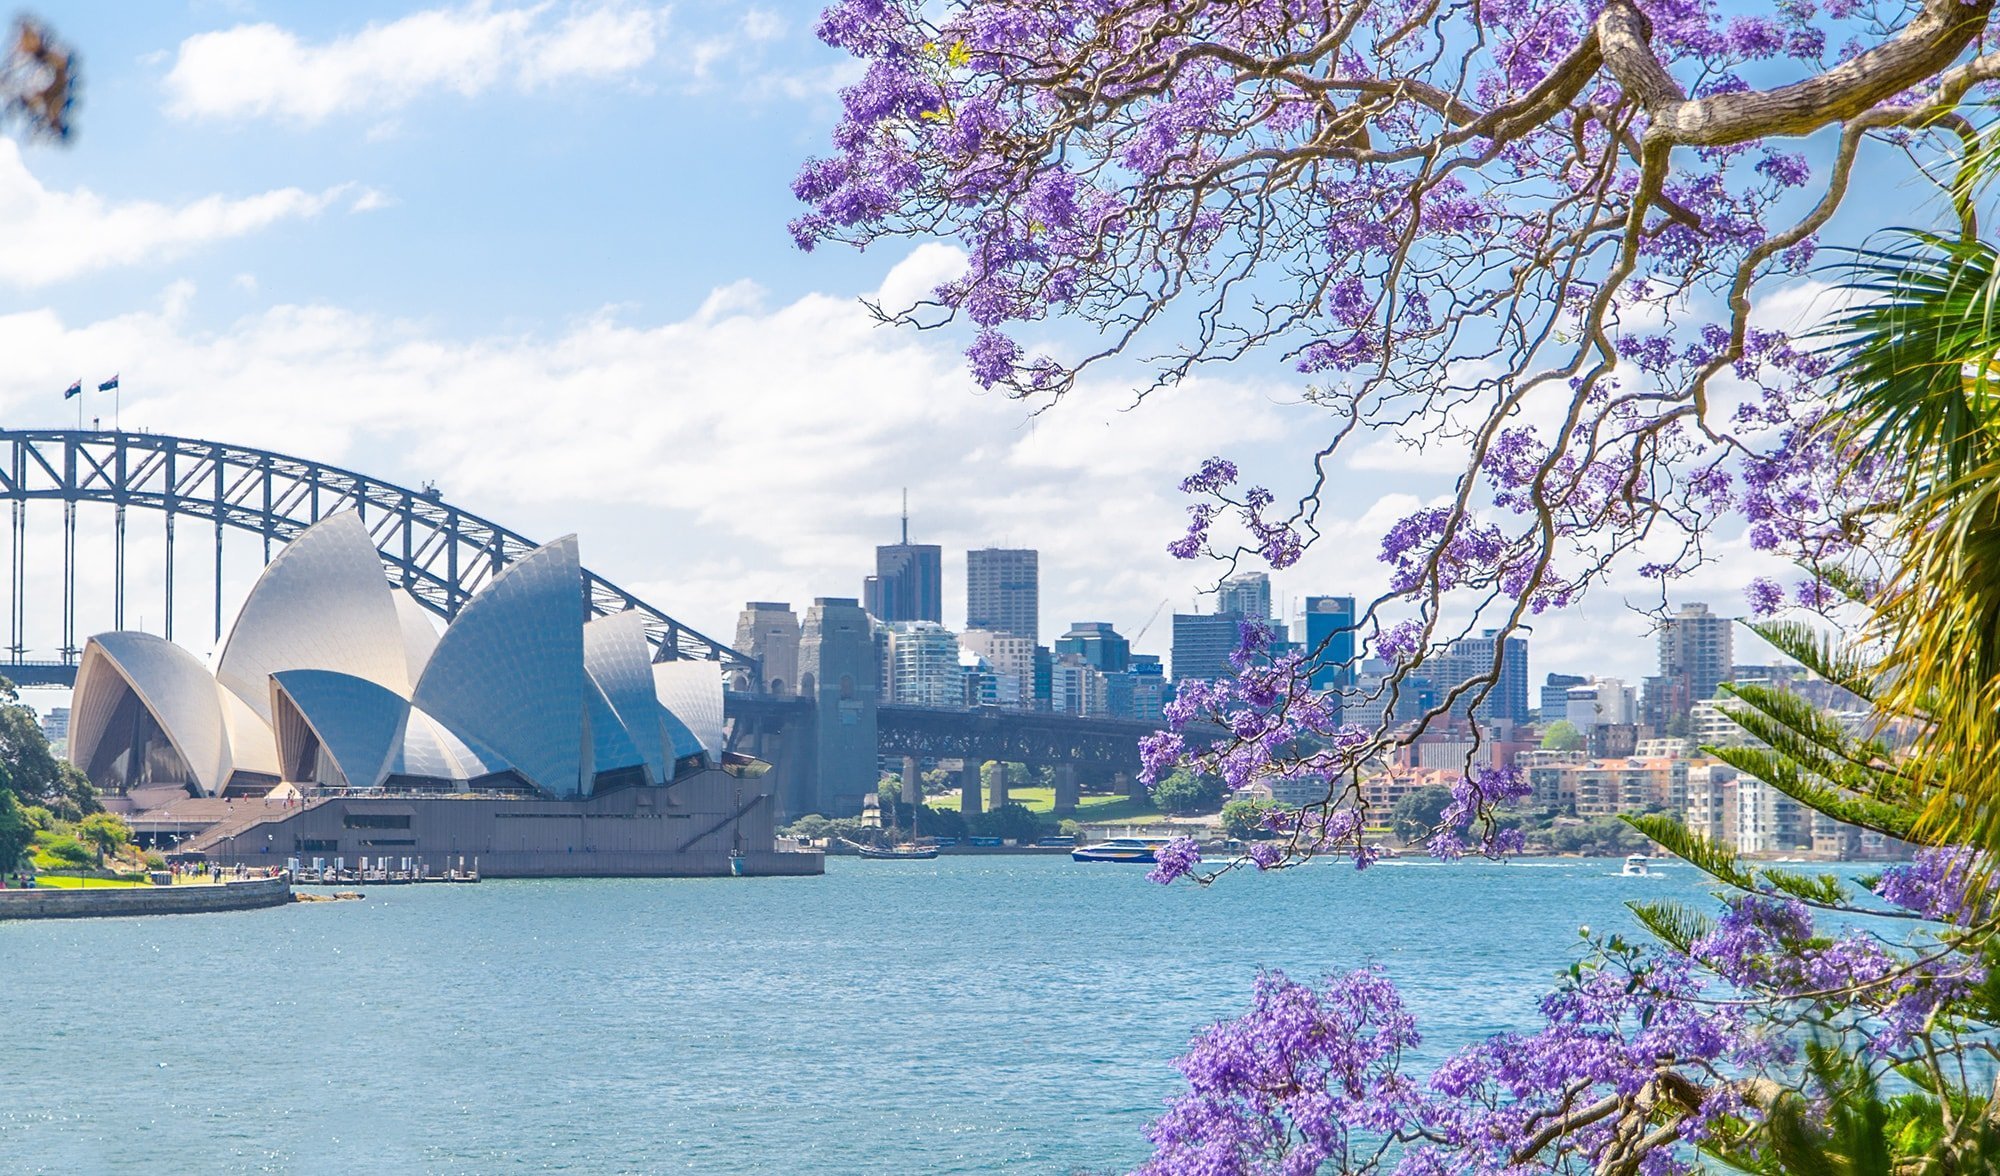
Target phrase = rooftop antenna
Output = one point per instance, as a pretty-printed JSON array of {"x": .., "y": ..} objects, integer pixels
[{"x": 906, "y": 516}]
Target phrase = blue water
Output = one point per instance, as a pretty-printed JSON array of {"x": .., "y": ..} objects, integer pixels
[{"x": 999, "y": 1014}]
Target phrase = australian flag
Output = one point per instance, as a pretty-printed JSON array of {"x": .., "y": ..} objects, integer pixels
[
  {"x": 75, "y": 389},
  {"x": 108, "y": 385}
]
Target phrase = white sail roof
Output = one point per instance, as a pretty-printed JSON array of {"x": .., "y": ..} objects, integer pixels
[
  {"x": 508, "y": 672},
  {"x": 620, "y": 661},
  {"x": 321, "y": 604},
  {"x": 173, "y": 686},
  {"x": 691, "y": 692}
]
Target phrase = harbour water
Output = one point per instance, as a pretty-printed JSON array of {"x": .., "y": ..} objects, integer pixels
[{"x": 992, "y": 1014}]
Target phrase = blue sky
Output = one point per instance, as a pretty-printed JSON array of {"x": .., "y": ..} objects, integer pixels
[{"x": 537, "y": 254}]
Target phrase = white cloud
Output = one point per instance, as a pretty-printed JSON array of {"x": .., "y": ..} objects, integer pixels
[
  {"x": 263, "y": 70},
  {"x": 748, "y": 451},
  {"x": 54, "y": 235}
]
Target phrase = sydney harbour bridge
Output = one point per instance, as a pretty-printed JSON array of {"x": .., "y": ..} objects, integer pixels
[{"x": 149, "y": 497}]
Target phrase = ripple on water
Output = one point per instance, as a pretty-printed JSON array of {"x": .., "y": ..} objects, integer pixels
[{"x": 958, "y": 1015}]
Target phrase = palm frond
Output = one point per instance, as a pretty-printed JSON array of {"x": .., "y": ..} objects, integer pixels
[{"x": 1915, "y": 372}]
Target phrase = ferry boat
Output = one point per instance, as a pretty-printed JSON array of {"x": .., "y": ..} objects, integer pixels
[
  {"x": 1636, "y": 866},
  {"x": 1139, "y": 850}
]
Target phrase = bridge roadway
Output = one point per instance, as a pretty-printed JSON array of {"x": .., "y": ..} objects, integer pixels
[{"x": 1103, "y": 748}]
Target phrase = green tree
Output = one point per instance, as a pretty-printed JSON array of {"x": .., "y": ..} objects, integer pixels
[
  {"x": 17, "y": 831},
  {"x": 1562, "y": 735},
  {"x": 1010, "y": 821},
  {"x": 810, "y": 827},
  {"x": 105, "y": 833},
  {"x": 1182, "y": 791},
  {"x": 1243, "y": 818},
  {"x": 940, "y": 822},
  {"x": 1417, "y": 813},
  {"x": 31, "y": 769}
]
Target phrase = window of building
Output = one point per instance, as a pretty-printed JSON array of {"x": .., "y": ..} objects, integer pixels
[{"x": 377, "y": 820}]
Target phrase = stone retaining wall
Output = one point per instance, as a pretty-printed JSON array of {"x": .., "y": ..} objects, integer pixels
[{"x": 98, "y": 902}]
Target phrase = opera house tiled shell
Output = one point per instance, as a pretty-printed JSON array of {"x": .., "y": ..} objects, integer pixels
[{"x": 332, "y": 678}]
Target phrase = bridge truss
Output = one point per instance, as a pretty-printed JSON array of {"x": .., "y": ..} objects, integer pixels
[{"x": 440, "y": 554}]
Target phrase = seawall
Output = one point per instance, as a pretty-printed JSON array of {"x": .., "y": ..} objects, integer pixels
[{"x": 110, "y": 901}]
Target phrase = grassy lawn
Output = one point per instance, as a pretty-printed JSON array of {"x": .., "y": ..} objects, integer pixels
[
  {"x": 1091, "y": 810},
  {"x": 61, "y": 882}
]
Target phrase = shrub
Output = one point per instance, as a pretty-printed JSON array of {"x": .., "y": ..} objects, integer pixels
[{"x": 69, "y": 852}]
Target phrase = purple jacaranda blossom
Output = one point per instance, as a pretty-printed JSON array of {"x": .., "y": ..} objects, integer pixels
[
  {"x": 1940, "y": 884},
  {"x": 1766, "y": 596},
  {"x": 1174, "y": 860}
]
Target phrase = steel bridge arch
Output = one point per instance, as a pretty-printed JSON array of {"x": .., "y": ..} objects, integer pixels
[{"x": 437, "y": 552}]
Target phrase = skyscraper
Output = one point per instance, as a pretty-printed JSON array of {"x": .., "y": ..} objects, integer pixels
[
  {"x": 1203, "y": 643},
  {"x": 1248, "y": 595},
  {"x": 908, "y": 584},
  {"x": 1697, "y": 651},
  {"x": 1003, "y": 591},
  {"x": 1098, "y": 644},
  {"x": 1472, "y": 657},
  {"x": 1330, "y": 641}
]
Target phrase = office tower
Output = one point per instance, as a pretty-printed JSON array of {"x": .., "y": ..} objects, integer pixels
[
  {"x": 1098, "y": 644},
  {"x": 1472, "y": 657},
  {"x": 908, "y": 584},
  {"x": 1003, "y": 591},
  {"x": 1139, "y": 693},
  {"x": 1555, "y": 694},
  {"x": 1203, "y": 643},
  {"x": 1008, "y": 654},
  {"x": 1329, "y": 641},
  {"x": 1076, "y": 687},
  {"x": 1248, "y": 595}
]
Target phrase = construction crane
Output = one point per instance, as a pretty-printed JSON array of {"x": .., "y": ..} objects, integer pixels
[{"x": 1149, "y": 622}]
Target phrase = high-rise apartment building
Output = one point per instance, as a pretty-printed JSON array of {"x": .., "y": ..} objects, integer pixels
[
  {"x": 923, "y": 666},
  {"x": 1247, "y": 594},
  {"x": 1076, "y": 687},
  {"x": 908, "y": 584},
  {"x": 1697, "y": 653},
  {"x": 1003, "y": 591}
]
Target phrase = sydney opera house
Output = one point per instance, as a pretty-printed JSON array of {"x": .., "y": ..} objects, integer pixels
[{"x": 334, "y": 720}]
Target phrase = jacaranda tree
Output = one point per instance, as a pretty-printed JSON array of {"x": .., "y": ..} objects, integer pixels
[{"x": 1537, "y": 234}]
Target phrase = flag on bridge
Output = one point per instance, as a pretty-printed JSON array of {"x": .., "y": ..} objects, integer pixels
[
  {"x": 75, "y": 389},
  {"x": 108, "y": 385}
]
